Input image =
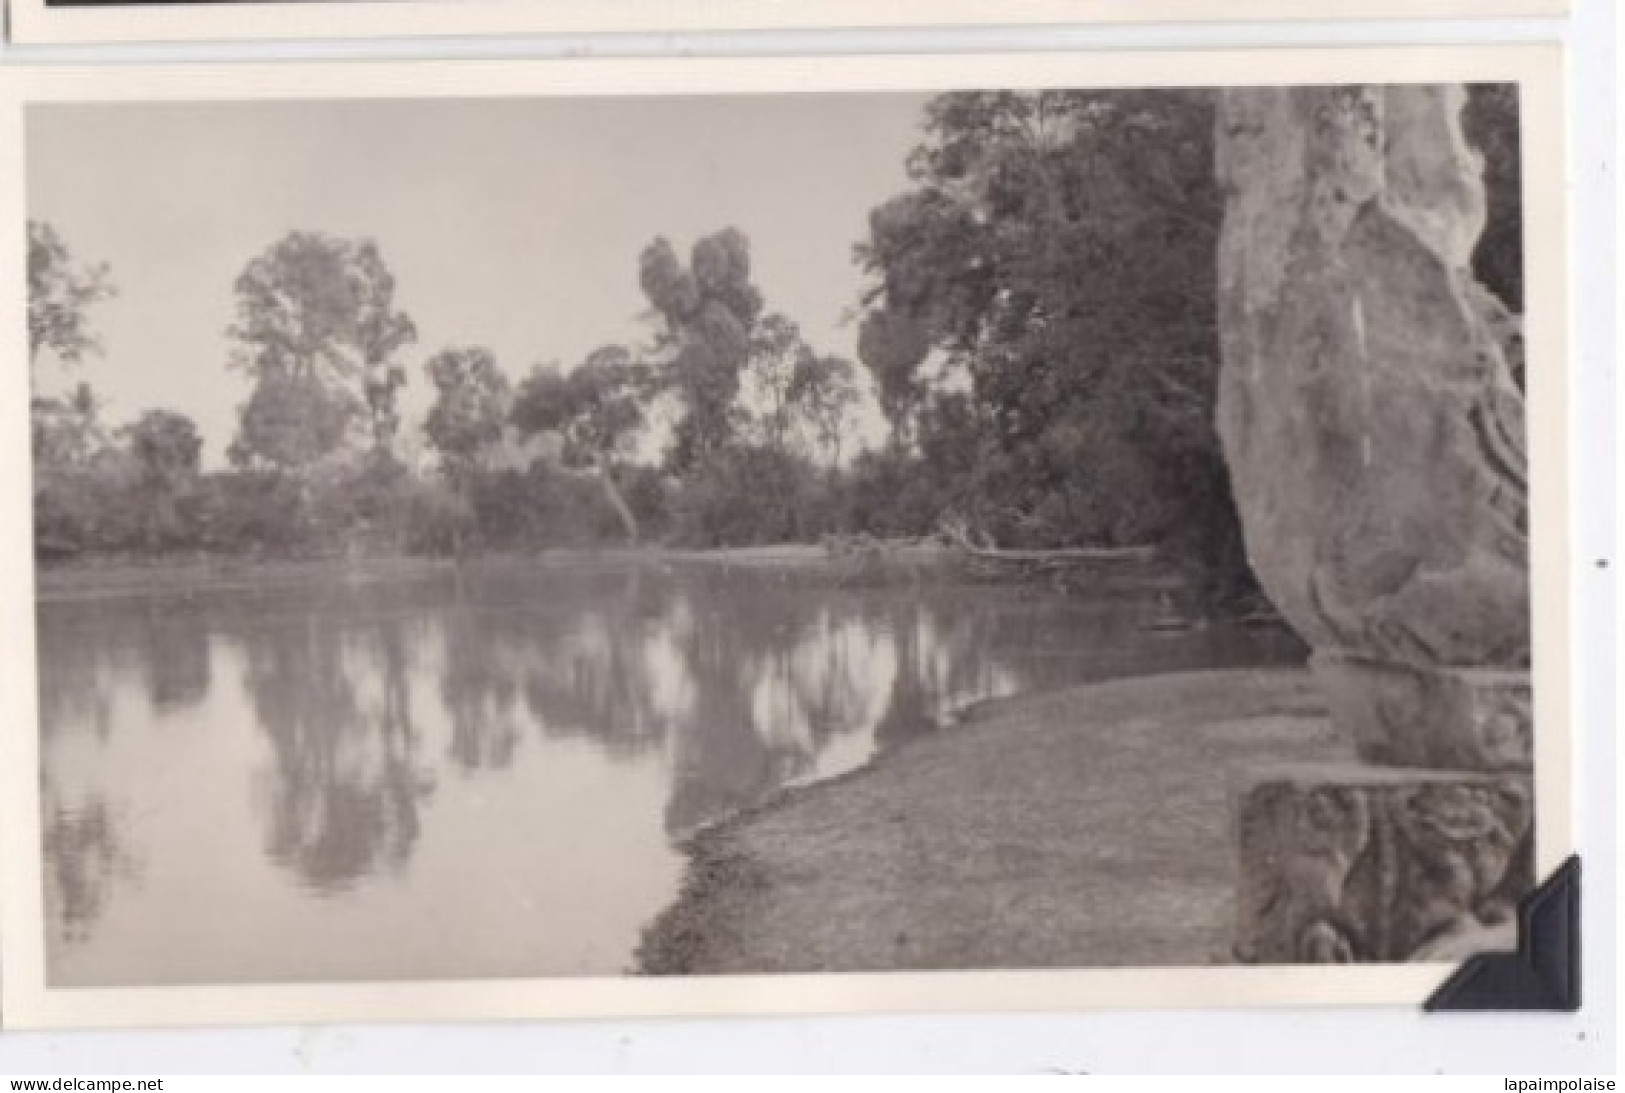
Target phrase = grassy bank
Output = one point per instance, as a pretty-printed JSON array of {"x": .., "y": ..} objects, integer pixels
[{"x": 1088, "y": 827}]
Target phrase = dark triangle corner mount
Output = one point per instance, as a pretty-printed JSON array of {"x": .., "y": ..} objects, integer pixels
[{"x": 1544, "y": 972}]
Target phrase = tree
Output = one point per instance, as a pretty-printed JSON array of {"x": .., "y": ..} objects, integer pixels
[
  {"x": 1057, "y": 249},
  {"x": 823, "y": 391},
  {"x": 290, "y": 423},
  {"x": 163, "y": 449},
  {"x": 317, "y": 329},
  {"x": 795, "y": 387},
  {"x": 382, "y": 391},
  {"x": 60, "y": 293},
  {"x": 707, "y": 312},
  {"x": 470, "y": 408},
  {"x": 893, "y": 345},
  {"x": 70, "y": 445},
  {"x": 597, "y": 410},
  {"x": 165, "y": 446},
  {"x": 67, "y": 432},
  {"x": 776, "y": 350}
]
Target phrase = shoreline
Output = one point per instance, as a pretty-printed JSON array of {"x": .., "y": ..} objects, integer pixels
[
  {"x": 932, "y": 857},
  {"x": 111, "y": 579},
  {"x": 886, "y": 562}
]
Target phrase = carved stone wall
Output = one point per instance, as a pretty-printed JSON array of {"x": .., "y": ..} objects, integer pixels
[
  {"x": 1372, "y": 864},
  {"x": 1375, "y": 440}
]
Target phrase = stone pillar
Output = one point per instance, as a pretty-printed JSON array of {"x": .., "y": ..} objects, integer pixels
[{"x": 1375, "y": 441}]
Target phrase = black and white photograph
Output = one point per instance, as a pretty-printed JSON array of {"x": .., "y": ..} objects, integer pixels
[{"x": 646, "y": 536}]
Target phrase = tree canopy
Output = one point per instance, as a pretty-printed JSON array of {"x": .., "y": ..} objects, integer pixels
[
  {"x": 470, "y": 409},
  {"x": 317, "y": 330},
  {"x": 893, "y": 344},
  {"x": 708, "y": 312},
  {"x": 597, "y": 410},
  {"x": 1056, "y": 248},
  {"x": 823, "y": 391}
]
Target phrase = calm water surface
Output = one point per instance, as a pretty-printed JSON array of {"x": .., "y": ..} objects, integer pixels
[{"x": 483, "y": 775}]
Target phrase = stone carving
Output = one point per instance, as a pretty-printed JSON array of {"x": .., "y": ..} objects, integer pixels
[
  {"x": 1374, "y": 434},
  {"x": 1401, "y": 715},
  {"x": 1369, "y": 417},
  {"x": 1362, "y": 864}
]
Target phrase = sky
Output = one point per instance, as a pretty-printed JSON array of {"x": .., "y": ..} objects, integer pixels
[{"x": 514, "y": 224}]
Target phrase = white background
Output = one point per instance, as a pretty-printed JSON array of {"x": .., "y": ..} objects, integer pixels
[{"x": 1302, "y": 1041}]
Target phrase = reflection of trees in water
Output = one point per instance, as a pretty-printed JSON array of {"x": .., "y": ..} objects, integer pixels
[
  {"x": 723, "y": 758},
  {"x": 744, "y": 685},
  {"x": 581, "y": 651},
  {"x": 86, "y": 650},
  {"x": 949, "y": 654},
  {"x": 478, "y": 688},
  {"x": 910, "y": 706},
  {"x": 175, "y": 657},
  {"x": 85, "y": 859},
  {"x": 345, "y": 783},
  {"x": 603, "y": 667},
  {"x": 825, "y": 683},
  {"x": 779, "y": 675},
  {"x": 744, "y": 682},
  {"x": 78, "y": 670}
]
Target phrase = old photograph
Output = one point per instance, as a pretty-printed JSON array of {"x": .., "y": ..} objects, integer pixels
[{"x": 655, "y": 537}]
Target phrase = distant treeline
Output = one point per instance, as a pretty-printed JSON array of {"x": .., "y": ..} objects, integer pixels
[{"x": 1038, "y": 331}]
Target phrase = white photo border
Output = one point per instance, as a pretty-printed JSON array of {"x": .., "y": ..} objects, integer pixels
[{"x": 39, "y": 22}]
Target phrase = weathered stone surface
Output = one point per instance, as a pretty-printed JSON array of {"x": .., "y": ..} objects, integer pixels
[
  {"x": 1452, "y": 719},
  {"x": 1363, "y": 864},
  {"x": 1374, "y": 435}
]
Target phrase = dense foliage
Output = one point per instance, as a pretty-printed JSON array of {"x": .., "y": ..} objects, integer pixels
[
  {"x": 1042, "y": 327},
  {"x": 597, "y": 412}
]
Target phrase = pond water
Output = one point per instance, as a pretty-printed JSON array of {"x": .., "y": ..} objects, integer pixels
[{"x": 484, "y": 774}]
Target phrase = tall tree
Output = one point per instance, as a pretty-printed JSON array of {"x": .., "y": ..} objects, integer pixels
[
  {"x": 597, "y": 410},
  {"x": 472, "y": 402},
  {"x": 707, "y": 312},
  {"x": 317, "y": 329},
  {"x": 60, "y": 293}
]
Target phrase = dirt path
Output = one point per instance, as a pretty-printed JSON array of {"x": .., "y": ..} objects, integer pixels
[{"x": 1089, "y": 827}]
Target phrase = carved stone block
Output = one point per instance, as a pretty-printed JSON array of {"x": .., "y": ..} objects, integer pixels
[
  {"x": 1453, "y": 719},
  {"x": 1365, "y": 864}
]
